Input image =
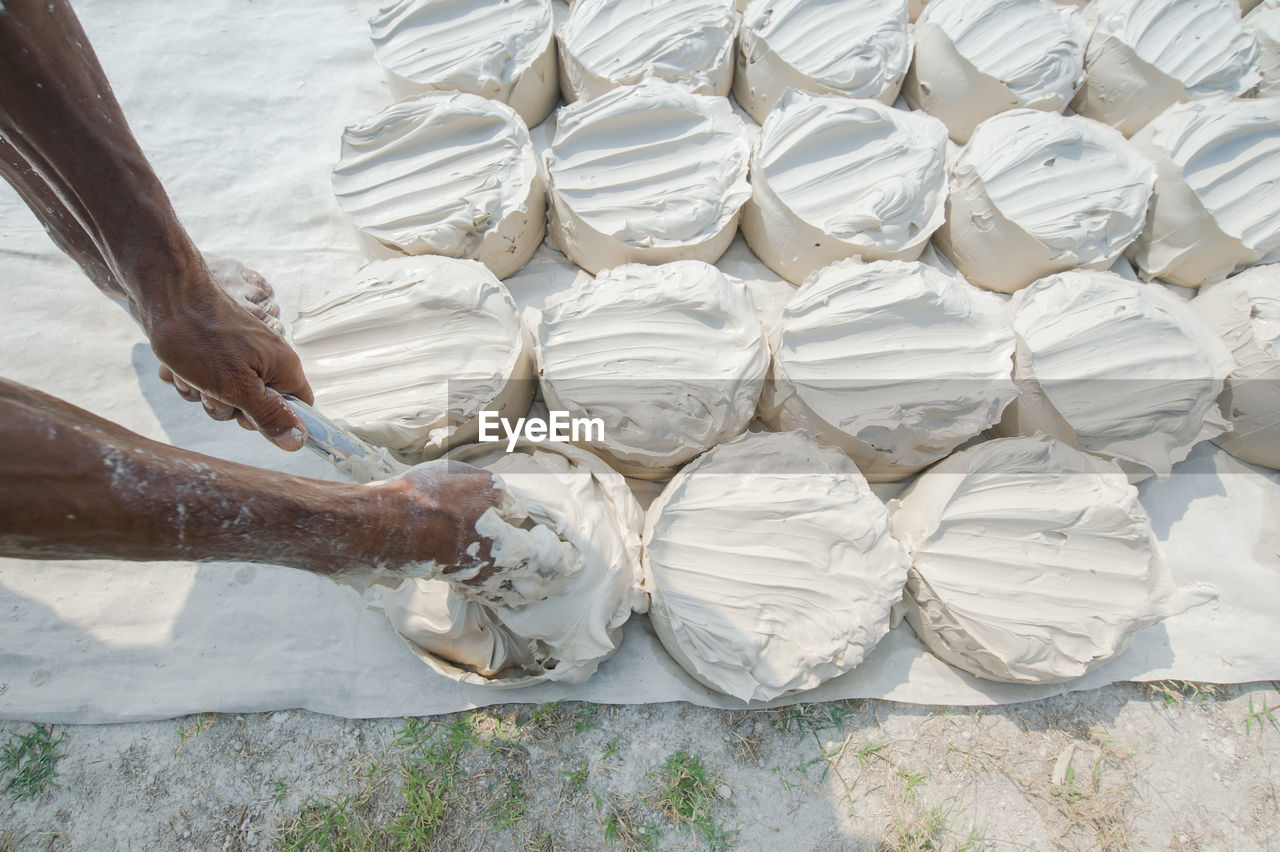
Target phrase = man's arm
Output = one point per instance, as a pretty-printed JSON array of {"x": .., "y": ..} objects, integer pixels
[
  {"x": 63, "y": 125},
  {"x": 75, "y": 486}
]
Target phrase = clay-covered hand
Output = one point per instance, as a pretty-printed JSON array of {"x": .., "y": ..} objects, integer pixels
[
  {"x": 216, "y": 352},
  {"x": 429, "y": 515}
]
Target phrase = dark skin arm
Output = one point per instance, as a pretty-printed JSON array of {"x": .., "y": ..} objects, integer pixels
[
  {"x": 66, "y": 147},
  {"x": 82, "y": 487}
]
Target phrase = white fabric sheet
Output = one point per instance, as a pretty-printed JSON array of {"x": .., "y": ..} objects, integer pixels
[{"x": 240, "y": 106}]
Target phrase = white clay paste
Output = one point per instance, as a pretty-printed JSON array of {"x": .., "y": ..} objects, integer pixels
[
  {"x": 686, "y": 42},
  {"x": 1115, "y": 367},
  {"x": 445, "y": 173},
  {"x": 500, "y": 49},
  {"x": 855, "y": 48},
  {"x": 562, "y": 627},
  {"x": 1146, "y": 55},
  {"x": 895, "y": 363},
  {"x": 1217, "y": 196},
  {"x": 833, "y": 177},
  {"x": 976, "y": 58},
  {"x": 646, "y": 174},
  {"x": 671, "y": 358},
  {"x": 1245, "y": 312},
  {"x": 1031, "y": 562},
  {"x": 412, "y": 349},
  {"x": 1034, "y": 193},
  {"x": 770, "y": 566},
  {"x": 1264, "y": 23}
]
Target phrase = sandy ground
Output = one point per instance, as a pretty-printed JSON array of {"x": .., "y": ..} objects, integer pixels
[{"x": 1128, "y": 766}]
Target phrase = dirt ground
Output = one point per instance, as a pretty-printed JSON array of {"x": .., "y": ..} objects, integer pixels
[{"x": 1170, "y": 766}]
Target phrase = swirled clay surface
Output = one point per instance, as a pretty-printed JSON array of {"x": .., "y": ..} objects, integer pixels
[
  {"x": 1030, "y": 561},
  {"x": 1116, "y": 367},
  {"x": 500, "y": 49},
  {"x": 671, "y": 358},
  {"x": 686, "y": 42},
  {"x": 411, "y": 350},
  {"x": 647, "y": 173},
  {"x": 896, "y": 363},
  {"x": 445, "y": 173},
  {"x": 770, "y": 566},
  {"x": 856, "y": 48},
  {"x": 1034, "y": 193},
  {"x": 834, "y": 177}
]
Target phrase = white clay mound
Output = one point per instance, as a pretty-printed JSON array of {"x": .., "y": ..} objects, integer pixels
[
  {"x": 895, "y": 363},
  {"x": 855, "y": 48},
  {"x": 1115, "y": 367},
  {"x": 445, "y": 173},
  {"x": 1034, "y": 193},
  {"x": 1264, "y": 23},
  {"x": 500, "y": 49},
  {"x": 605, "y": 44},
  {"x": 833, "y": 177},
  {"x": 577, "y": 623},
  {"x": 649, "y": 173},
  {"x": 671, "y": 358},
  {"x": 413, "y": 349},
  {"x": 976, "y": 58},
  {"x": 770, "y": 566},
  {"x": 1216, "y": 205},
  {"x": 1245, "y": 312},
  {"x": 1146, "y": 55},
  {"x": 1031, "y": 562}
]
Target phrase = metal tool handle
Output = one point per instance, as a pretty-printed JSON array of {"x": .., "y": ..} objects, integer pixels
[{"x": 349, "y": 454}]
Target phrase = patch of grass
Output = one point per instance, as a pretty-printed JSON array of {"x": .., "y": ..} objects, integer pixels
[
  {"x": 806, "y": 718},
  {"x": 31, "y": 760},
  {"x": 610, "y": 750},
  {"x": 545, "y": 715},
  {"x": 923, "y": 831},
  {"x": 279, "y": 789},
  {"x": 578, "y": 777},
  {"x": 423, "y": 812},
  {"x": 332, "y": 825},
  {"x": 623, "y": 829},
  {"x": 509, "y": 809},
  {"x": 585, "y": 718},
  {"x": 911, "y": 780},
  {"x": 1174, "y": 692},
  {"x": 1263, "y": 712},
  {"x": 687, "y": 794},
  {"x": 869, "y": 751},
  {"x": 973, "y": 840},
  {"x": 190, "y": 730}
]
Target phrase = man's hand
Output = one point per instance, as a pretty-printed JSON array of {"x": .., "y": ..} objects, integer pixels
[{"x": 215, "y": 352}]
